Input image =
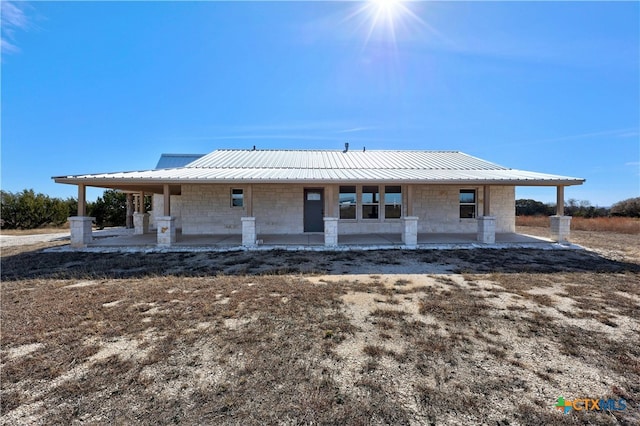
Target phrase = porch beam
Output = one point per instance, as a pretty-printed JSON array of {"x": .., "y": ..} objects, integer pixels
[{"x": 560, "y": 200}]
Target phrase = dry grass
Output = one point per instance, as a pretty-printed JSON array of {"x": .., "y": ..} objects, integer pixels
[
  {"x": 619, "y": 225},
  {"x": 44, "y": 230},
  {"x": 230, "y": 339}
]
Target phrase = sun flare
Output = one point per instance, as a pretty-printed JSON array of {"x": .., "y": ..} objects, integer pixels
[{"x": 385, "y": 18}]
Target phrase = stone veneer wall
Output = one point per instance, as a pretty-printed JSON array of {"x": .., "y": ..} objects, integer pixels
[
  {"x": 157, "y": 210},
  {"x": 206, "y": 209},
  {"x": 438, "y": 208},
  {"x": 279, "y": 209},
  {"x": 503, "y": 207}
]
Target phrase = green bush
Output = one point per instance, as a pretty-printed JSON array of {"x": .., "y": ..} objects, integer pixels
[{"x": 28, "y": 210}]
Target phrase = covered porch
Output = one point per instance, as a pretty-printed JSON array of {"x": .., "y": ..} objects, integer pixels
[
  {"x": 128, "y": 239},
  {"x": 167, "y": 234}
]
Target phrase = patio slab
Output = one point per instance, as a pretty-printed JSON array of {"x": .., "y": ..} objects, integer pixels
[{"x": 315, "y": 241}]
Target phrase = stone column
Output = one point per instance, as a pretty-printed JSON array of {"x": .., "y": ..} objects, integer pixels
[
  {"x": 140, "y": 223},
  {"x": 560, "y": 228},
  {"x": 487, "y": 229},
  {"x": 249, "y": 236},
  {"x": 80, "y": 231},
  {"x": 166, "y": 230},
  {"x": 129, "y": 222},
  {"x": 410, "y": 231},
  {"x": 330, "y": 231}
]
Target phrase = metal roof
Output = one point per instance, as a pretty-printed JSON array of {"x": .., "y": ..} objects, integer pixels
[
  {"x": 171, "y": 161},
  {"x": 363, "y": 160},
  {"x": 323, "y": 166}
]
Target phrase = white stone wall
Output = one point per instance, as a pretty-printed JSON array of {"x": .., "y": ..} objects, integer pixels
[
  {"x": 371, "y": 226},
  {"x": 279, "y": 209},
  {"x": 503, "y": 208},
  {"x": 157, "y": 206},
  {"x": 438, "y": 208},
  {"x": 206, "y": 209}
]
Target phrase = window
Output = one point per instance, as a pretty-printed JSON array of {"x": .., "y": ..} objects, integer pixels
[
  {"x": 467, "y": 203},
  {"x": 237, "y": 198},
  {"x": 347, "y": 202},
  {"x": 392, "y": 202},
  {"x": 370, "y": 202}
]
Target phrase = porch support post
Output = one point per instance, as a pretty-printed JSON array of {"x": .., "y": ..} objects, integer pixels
[
  {"x": 140, "y": 223},
  {"x": 140, "y": 218},
  {"x": 409, "y": 208},
  {"x": 166, "y": 231},
  {"x": 249, "y": 236},
  {"x": 560, "y": 228},
  {"x": 249, "y": 201},
  {"x": 82, "y": 200},
  {"x": 330, "y": 231},
  {"x": 80, "y": 225},
  {"x": 487, "y": 229},
  {"x": 486, "y": 223},
  {"x": 560, "y": 224},
  {"x": 142, "y": 209},
  {"x": 486, "y": 201},
  {"x": 129, "y": 221},
  {"x": 329, "y": 205},
  {"x": 560, "y": 201},
  {"x": 410, "y": 231},
  {"x": 167, "y": 199},
  {"x": 80, "y": 231}
]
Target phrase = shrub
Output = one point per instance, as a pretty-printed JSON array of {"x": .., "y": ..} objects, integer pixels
[
  {"x": 629, "y": 207},
  {"x": 28, "y": 210}
]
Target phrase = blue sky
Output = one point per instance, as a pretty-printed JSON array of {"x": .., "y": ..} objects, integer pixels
[{"x": 552, "y": 87}]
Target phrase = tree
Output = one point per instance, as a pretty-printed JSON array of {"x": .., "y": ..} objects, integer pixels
[
  {"x": 629, "y": 207},
  {"x": 110, "y": 209},
  {"x": 28, "y": 210},
  {"x": 583, "y": 208},
  {"x": 528, "y": 207}
]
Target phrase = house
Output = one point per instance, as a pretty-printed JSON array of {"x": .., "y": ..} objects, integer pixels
[{"x": 325, "y": 192}]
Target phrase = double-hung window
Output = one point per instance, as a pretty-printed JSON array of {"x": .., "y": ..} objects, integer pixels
[
  {"x": 348, "y": 199},
  {"x": 392, "y": 202},
  {"x": 467, "y": 203},
  {"x": 370, "y": 202}
]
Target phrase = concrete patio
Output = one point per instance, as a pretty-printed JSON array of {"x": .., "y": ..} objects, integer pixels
[{"x": 314, "y": 241}]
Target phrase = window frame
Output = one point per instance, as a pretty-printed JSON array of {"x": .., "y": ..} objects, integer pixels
[
  {"x": 394, "y": 204},
  {"x": 462, "y": 204},
  {"x": 353, "y": 204},
  {"x": 233, "y": 199},
  {"x": 374, "y": 204}
]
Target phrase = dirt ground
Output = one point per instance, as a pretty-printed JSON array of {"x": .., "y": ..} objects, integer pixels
[{"x": 382, "y": 337}]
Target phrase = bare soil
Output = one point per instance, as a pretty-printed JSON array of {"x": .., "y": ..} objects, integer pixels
[{"x": 382, "y": 337}]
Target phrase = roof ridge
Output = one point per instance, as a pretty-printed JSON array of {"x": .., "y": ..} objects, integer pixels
[{"x": 335, "y": 150}]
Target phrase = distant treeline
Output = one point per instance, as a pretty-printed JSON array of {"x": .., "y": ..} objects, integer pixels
[
  {"x": 628, "y": 208},
  {"x": 28, "y": 210}
]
